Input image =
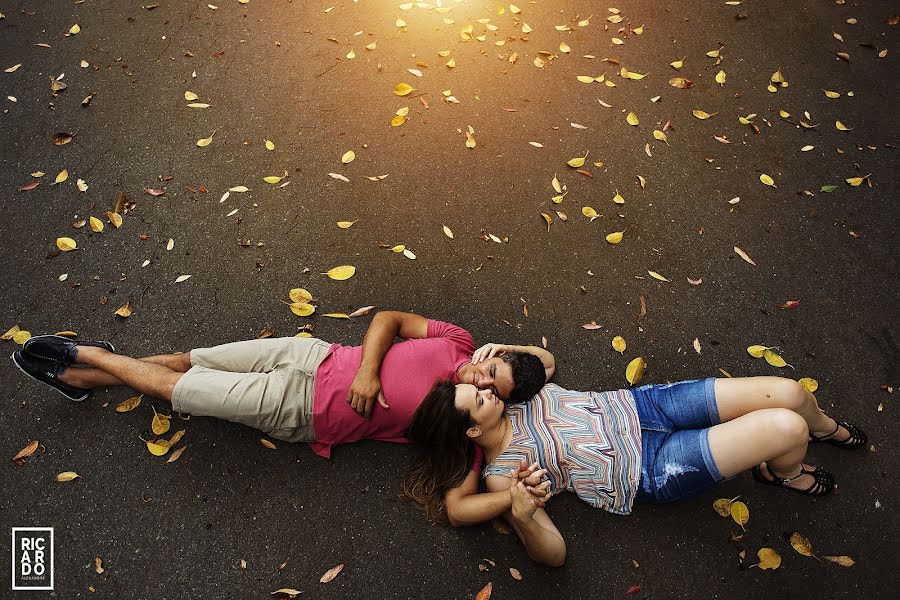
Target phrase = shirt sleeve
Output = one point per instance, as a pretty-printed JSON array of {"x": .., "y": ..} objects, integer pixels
[{"x": 450, "y": 331}]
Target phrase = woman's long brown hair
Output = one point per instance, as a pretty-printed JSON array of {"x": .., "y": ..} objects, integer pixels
[{"x": 444, "y": 452}]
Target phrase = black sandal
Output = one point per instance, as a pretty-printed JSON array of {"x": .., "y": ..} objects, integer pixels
[
  {"x": 857, "y": 439},
  {"x": 823, "y": 484}
]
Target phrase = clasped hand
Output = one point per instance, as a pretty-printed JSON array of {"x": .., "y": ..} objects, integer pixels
[{"x": 529, "y": 492}]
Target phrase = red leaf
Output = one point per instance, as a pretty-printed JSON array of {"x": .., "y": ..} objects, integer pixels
[
  {"x": 695, "y": 281},
  {"x": 791, "y": 304},
  {"x": 585, "y": 173},
  {"x": 633, "y": 589},
  {"x": 29, "y": 186}
]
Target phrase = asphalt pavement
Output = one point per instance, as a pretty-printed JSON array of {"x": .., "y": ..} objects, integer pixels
[{"x": 318, "y": 79}]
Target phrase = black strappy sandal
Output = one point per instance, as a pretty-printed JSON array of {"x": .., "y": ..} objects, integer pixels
[
  {"x": 857, "y": 439},
  {"x": 823, "y": 484}
]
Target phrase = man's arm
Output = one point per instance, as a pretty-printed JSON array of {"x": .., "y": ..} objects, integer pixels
[
  {"x": 491, "y": 350},
  {"x": 466, "y": 506},
  {"x": 542, "y": 540},
  {"x": 385, "y": 326}
]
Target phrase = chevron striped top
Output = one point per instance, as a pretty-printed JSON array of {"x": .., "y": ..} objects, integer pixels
[{"x": 589, "y": 442}]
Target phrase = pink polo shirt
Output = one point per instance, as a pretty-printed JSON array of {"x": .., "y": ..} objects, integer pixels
[{"x": 409, "y": 370}]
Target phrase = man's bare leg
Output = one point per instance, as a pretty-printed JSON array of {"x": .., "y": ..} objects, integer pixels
[
  {"x": 146, "y": 377},
  {"x": 92, "y": 377}
]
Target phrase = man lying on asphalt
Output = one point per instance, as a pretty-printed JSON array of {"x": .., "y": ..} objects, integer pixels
[{"x": 304, "y": 389}]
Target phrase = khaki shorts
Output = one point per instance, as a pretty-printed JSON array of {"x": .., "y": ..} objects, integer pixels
[{"x": 266, "y": 384}]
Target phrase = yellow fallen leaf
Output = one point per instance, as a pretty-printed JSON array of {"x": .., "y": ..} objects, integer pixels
[
  {"x": 740, "y": 513},
  {"x": 203, "y": 142},
  {"x": 402, "y": 111},
  {"x": 351, "y": 55},
  {"x": 341, "y": 273},
  {"x": 267, "y": 443},
  {"x": 20, "y": 337},
  {"x": 239, "y": 189},
  {"x": 723, "y": 506},
  {"x": 548, "y": 219},
  {"x": 585, "y": 79},
  {"x": 632, "y": 119},
  {"x": 402, "y": 89},
  {"x": 96, "y": 224},
  {"x": 299, "y": 295},
  {"x": 272, "y": 179},
  {"x": 75, "y": 29},
  {"x": 809, "y": 384},
  {"x": 841, "y": 127},
  {"x": 10, "y": 333},
  {"x": 302, "y": 309},
  {"x": 130, "y": 404},
  {"x": 801, "y": 544},
  {"x": 768, "y": 559},
  {"x": 345, "y": 224},
  {"x": 635, "y": 370},
  {"x": 564, "y": 47},
  {"x": 618, "y": 344},
  {"x": 448, "y": 232},
  {"x": 577, "y": 162},
  {"x": 181, "y": 278},
  {"x": 714, "y": 53},
  {"x": 701, "y": 114},
  {"x": 190, "y": 96},
  {"x": 806, "y": 148},
  {"x": 336, "y": 315},
  {"x": 398, "y": 121},
  {"x": 774, "y": 359},
  {"x": 660, "y": 136},
  {"x": 160, "y": 424},
  {"x": 82, "y": 185},
  {"x": 720, "y": 77},
  {"x": 757, "y": 351},
  {"x": 677, "y": 64},
  {"x": 589, "y": 212},
  {"x": 198, "y": 105},
  {"x": 615, "y": 237},
  {"x": 62, "y": 176},
  {"x": 831, "y": 94},
  {"x": 66, "y": 243},
  {"x": 114, "y": 218},
  {"x": 618, "y": 199},
  {"x": 398, "y": 248},
  {"x": 125, "y": 310},
  {"x": 766, "y": 180},
  {"x": 656, "y": 275},
  {"x": 348, "y": 157},
  {"x": 470, "y": 140},
  {"x": 67, "y": 476},
  {"x": 157, "y": 449},
  {"x": 744, "y": 255},
  {"x": 270, "y": 145},
  {"x": 855, "y": 181}
]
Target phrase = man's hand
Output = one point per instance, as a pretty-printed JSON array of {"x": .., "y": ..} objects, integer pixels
[
  {"x": 532, "y": 477},
  {"x": 525, "y": 501},
  {"x": 490, "y": 351},
  {"x": 364, "y": 389}
]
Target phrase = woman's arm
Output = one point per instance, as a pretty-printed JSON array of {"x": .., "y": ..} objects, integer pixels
[
  {"x": 491, "y": 350},
  {"x": 466, "y": 506},
  {"x": 542, "y": 540}
]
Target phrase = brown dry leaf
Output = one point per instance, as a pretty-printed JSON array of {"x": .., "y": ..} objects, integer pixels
[
  {"x": 744, "y": 255},
  {"x": 267, "y": 444},
  {"x": 485, "y": 592},
  {"x": 25, "y": 452},
  {"x": 723, "y": 506},
  {"x": 61, "y": 139},
  {"x": 289, "y": 591},
  {"x": 176, "y": 454},
  {"x": 681, "y": 83},
  {"x": 98, "y": 565},
  {"x": 361, "y": 311},
  {"x": 844, "y": 561},
  {"x": 801, "y": 544},
  {"x": 515, "y": 574},
  {"x": 129, "y": 404},
  {"x": 331, "y": 573}
]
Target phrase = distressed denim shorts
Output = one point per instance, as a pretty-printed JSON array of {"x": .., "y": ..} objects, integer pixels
[{"x": 675, "y": 420}]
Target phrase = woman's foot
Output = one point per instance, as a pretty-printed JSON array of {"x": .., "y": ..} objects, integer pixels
[
  {"x": 805, "y": 479},
  {"x": 841, "y": 434}
]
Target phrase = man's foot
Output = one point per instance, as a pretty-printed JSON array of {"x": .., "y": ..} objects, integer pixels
[
  {"x": 808, "y": 479},
  {"x": 59, "y": 348},
  {"x": 48, "y": 372},
  {"x": 841, "y": 434}
]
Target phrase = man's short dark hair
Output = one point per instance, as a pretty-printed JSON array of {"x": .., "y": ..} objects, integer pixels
[{"x": 528, "y": 375}]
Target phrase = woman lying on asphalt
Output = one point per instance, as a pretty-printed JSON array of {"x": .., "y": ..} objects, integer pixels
[{"x": 654, "y": 443}]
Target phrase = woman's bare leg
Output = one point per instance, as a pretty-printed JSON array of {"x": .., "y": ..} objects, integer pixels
[
  {"x": 144, "y": 376},
  {"x": 742, "y": 395},
  {"x": 776, "y": 436},
  {"x": 93, "y": 377}
]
